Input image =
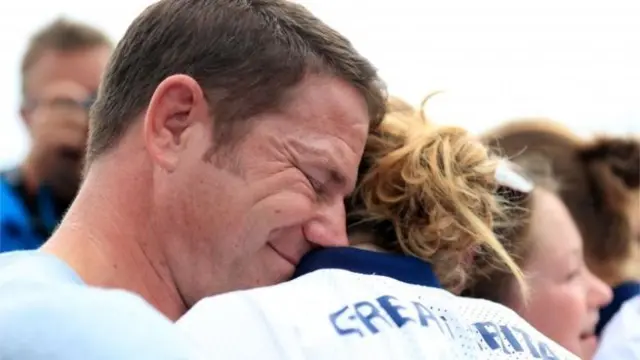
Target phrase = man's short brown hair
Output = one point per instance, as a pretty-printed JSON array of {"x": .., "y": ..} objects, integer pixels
[
  {"x": 246, "y": 55},
  {"x": 61, "y": 35}
]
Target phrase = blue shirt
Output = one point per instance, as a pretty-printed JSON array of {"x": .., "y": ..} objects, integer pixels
[
  {"x": 47, "y": 312},
  {"x": 25, "y": 221}
]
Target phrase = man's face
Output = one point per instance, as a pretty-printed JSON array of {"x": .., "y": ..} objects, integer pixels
[
  {"x": 58, "y": 87},
  {"x": 245, "y": 218}
]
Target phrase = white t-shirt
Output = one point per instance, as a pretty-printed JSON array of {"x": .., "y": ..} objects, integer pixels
[
  {"x": 345, "y": 312},
  {"x": 620, "y": 339},
  {"x": 48, "y": 313}
]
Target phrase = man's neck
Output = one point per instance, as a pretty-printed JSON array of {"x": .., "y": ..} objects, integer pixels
[{"x": 106, "y": 240}]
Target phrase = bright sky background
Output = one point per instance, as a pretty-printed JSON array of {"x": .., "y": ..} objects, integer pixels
[{"x": 577, "y": 61}]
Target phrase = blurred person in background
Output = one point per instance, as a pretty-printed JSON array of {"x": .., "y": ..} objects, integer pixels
[
  {"x": 425, "y": 200},
  {"x": 212, "y": 165},
  {"x": 600, "y": 185},
  {"x": 61, "y": 71},
  {"x": 565, "y": 296}
]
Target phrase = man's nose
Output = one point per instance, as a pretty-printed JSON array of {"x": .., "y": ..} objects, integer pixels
[{"x": 328, "y": 227}]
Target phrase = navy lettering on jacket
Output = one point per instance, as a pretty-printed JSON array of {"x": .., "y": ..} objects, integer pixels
[{"x": 371, "y": 317}]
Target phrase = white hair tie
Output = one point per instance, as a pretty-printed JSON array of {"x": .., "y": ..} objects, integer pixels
[{"x": 507, "y": 176}]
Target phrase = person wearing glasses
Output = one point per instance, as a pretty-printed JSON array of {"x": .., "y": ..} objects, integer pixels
[
  {"x": 61, "y": 71},
  {"x": 426, "y": 201}
]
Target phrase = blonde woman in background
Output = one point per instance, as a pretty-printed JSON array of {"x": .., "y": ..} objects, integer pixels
[
  {"x": 425, "y": 202},
  {"x": 600, "y": 185},
  {"x": 564, "y": 297}
]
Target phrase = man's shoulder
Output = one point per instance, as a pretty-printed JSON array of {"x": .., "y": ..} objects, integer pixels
[
  {"x": 46, "y": 312},
  {"x": 33, "y": 266}
]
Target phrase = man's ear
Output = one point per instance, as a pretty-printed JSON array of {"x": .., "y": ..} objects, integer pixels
[{"x": 177, "y": 104}]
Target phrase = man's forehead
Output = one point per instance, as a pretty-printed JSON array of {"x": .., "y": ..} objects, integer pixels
[
  {"x": 84, "y": 67},
  {"x": 328, "y": 102},
  {"x": 336, "y": 133}
]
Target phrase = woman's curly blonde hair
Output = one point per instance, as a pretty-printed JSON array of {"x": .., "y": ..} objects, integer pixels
[{"x": 429, "y": 192}]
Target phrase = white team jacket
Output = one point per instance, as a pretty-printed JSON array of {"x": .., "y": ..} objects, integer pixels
[{"x": 346, "y": 312}]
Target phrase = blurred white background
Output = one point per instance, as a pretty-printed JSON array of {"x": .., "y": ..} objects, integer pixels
[{"x": 577, "y": 61}]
